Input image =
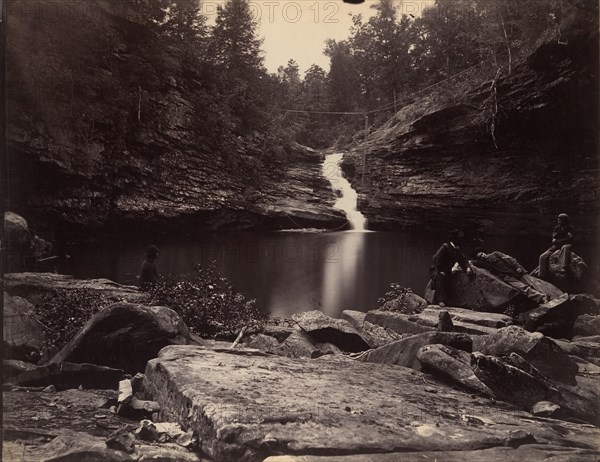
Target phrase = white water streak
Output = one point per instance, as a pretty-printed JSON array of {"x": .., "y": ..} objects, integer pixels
[{"x": 348, "y": 198}]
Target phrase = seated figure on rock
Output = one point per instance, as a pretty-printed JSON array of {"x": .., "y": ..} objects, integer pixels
[
  {"x": 562, "y": 239},
  {"x": 510, "y": 271}
]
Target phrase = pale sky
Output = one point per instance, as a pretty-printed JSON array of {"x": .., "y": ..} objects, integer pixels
[{"x": 298, "y": 29}]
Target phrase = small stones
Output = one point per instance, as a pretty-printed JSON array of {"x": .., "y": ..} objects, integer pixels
[
  {"x": 122, "y": 440},
  {"x": 545, "y": 409},
  {"x": 517, "y": 438}
]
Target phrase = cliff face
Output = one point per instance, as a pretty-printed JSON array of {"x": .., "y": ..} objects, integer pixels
[
  {"x": 106, "y": 122},
  {"x": 443, "y": 169}
]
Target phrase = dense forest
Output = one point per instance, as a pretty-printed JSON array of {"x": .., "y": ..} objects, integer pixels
[{"x": 383, "y": 62}]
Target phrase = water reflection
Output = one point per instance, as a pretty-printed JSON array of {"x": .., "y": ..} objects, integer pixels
[{"x": 341, "y": 274}]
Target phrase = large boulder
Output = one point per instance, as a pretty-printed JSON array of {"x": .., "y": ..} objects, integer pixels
[
  {"x": 431, "y": 318},
  {"x": 397, "y": 322},
  {"x": 17, "y": 241},
  {"x": 125, "y": 336},
  {"x": 507, "y": 453},
  {"x": 557, "y": 317},
  {"x": 404, "y": 352},
  {"x": 428, "y": 320},
  {"x": 35, "y": 287},
  {"x": 537, "y": 349},
  {"x": 244, "y": 406},
  {"x": 454, "y": 364},
  {"x": 586, "y": 325},
  {"x": 566, "y": 280},
  {"x": 461, "y": 315},
  {"x": 298, "y": 345},
  {"x": 23, "y": 335},
  {"x": 323, "y": 329},
  {"x": 487, "y": 292},
  {"x": 375, "y": 335},
  {"x": 514, "y": 380}
]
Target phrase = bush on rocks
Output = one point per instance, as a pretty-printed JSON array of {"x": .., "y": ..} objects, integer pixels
[
  {"x": 64, "y": 314},
  {"x": 208, "y": 303},
  {"x": 402, "y": 300}
]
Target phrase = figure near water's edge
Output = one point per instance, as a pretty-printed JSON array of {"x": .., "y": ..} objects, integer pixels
[
  {"x": 444, "y": 259},
  {"x": 562, "y": 238},
  {"x": 149, "y": 272}
]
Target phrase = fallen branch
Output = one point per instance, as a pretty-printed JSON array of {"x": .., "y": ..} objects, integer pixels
[{"x": 239, "y": 337}]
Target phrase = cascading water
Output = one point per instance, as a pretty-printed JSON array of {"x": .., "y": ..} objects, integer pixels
[{"x": 348, "y": 199}]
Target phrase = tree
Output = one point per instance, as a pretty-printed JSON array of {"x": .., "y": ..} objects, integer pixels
[
  {"x": 342, "y": 78},
  {"x": 234, "y": 45},
  {"x": 381, "y": 48},
  {"x": 235, "y": 52},
  {"x": 314, "y": 86}
]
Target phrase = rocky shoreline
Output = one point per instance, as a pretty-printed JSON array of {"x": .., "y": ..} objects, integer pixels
[{"x": 406, "y": 381}]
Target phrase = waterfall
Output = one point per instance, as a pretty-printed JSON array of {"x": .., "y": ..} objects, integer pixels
[{"x": 348, "y": 197}]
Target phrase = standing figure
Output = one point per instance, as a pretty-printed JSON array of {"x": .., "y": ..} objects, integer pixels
[
  {"x": 444, "y": 259},
  {"x": 562, "y": 238},
  {"x": 149, "y": 273}
]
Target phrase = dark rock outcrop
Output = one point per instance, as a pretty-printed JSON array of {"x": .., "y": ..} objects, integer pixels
[
  {"x": 587, "y": 325},
  {"x": 17, "y": 240},
  {"x": 435, "y": 164},
  {"x": 118, "y": 127},
  {"x": 516, "y": 381},
  {"x": 22, "y": 333},
  {"x": 537, "y": 349},
  {"x": 125, "y": 336}
]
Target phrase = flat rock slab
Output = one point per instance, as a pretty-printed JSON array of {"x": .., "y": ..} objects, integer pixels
[
  {"x": 245, "y": 405},
  {"x": 480, "y": 318},
  {"x": 34, "y": 287},
  {"x": 528, "y": 452}
]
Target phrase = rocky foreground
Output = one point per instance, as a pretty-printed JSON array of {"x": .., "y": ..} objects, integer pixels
[{"x": 410, "y": 381}]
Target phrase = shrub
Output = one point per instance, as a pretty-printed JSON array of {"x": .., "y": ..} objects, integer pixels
[
  {"x": 208, "y": 303},
  {"x": 402, "y": 298},
  {"x": 65, "y": 312}
]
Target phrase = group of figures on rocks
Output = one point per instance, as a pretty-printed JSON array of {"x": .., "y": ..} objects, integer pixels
[{"x": 558, "y": 265}]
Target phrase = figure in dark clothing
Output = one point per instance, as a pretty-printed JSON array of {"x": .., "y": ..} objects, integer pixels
[
  {"x": 510, "y": 271},
  {"x": 444, "y": 259},
  {"x": 562, "y": 238},
  {"x": 149, "y": 273}
]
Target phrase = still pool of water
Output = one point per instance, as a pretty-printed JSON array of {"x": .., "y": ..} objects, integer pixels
[{"x": 289, "y": 272}]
